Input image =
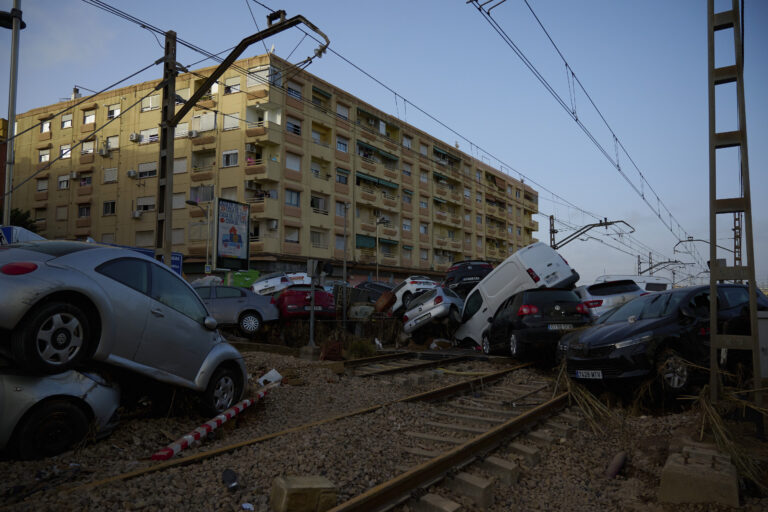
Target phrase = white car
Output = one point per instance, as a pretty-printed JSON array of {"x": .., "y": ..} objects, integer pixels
[
  {"x": 604, "y": 296},
  {"x": 270, "y": 284},
  {"x": 409, "y": 288}
]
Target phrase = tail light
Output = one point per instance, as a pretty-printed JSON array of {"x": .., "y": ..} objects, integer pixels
[
  {"x": 527, "y": 309},
  {"x": 644, "y": 293},
  {"x": 486, "y": 265},
  {"x": 704, "y": 331},
  {"x": 455, "y": 267},
  {"x": 533, "y": 275},
  {"x": 413, "y": 282},
  {"x": 583, "y": 307},
  {"x": 593, "y": 303},
  {"x": 405, "y": 318},
  {"x": 438, "y": 300},
  {"x": 18, "y": 268}
]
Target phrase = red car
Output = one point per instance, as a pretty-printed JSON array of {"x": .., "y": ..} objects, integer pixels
[{"x": 296, "y": 302}]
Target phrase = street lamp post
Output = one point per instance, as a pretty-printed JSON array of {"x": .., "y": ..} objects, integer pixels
[
  {"x": 344, "y": 265},
  {"x": 208, "y": 229},
  {"x": 380, "y": 220}
]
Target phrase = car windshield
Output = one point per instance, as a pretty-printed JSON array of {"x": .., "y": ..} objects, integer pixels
[
  {"x": 422, "y": 298},
  {"x": 645, "y": 307},
  {"x": 613, "y": 288}
]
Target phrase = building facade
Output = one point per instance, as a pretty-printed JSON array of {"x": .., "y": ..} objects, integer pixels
[{"x": 326, "y": 175}]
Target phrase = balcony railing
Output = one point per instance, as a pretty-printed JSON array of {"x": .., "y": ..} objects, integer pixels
[
  {"x": 320, "y": 174},
  {"x": 319, "y": 244},
  {"x": 320, "y": 142},
  {"x": 320, "y": 211}
]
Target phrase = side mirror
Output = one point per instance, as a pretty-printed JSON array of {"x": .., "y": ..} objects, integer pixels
[
  {"x": 210, "y": 323},
  {"x": 687, "y": 311}
]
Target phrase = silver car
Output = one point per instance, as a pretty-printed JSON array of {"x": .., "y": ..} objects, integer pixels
[
  {"x": 602, "y": 297},
  {"x": 435, "y": 304},
  {"x": 231, "y": 305},
  {"x": 44, "y": 416},
  {"x": 63, "y": 303}
]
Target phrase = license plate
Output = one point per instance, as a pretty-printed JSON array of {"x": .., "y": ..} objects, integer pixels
[
  {"x": 471, "y": 278},
  {"x": 589, "y": 374},
  {"x": 560, "y": 327},
  {"x": 267, "y": 290},
  {"x": 309, "y": 308},
  {"x": 424, "y": 317}
]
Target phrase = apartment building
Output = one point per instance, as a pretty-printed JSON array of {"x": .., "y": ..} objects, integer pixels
[{"x": 326, "y": 176}]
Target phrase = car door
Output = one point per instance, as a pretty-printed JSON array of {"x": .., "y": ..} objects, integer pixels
[
  {"x": 206, "y": 294},
  {"x": 230, "y": 301},
  {"x": 474, "y": 318},
  {"x": 175, "y": 339},
  {"x": 126, "y": 280}
]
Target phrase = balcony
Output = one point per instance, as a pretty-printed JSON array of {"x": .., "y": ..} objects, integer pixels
[
  {"x": 267, "y": 243},
  {"x": 367, "y": 195},
  {"x": 291, "y": 248},
  {"x": 264, "y": 133},
  {"x": 263, "y": 170},
  {"x": 388, "y": 199},
  {"x": 265, "y": 207}
]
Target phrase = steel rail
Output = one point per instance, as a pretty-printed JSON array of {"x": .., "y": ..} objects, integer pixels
[
  {"x": 412, "y": 367},
  {"x": 388, "y": 494}
]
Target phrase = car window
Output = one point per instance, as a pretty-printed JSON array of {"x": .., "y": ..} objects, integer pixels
[
  {"x": 227, "y": 292},
  {"x": 170, "y": 290},
  {"x": 399, "y": 287},
  {"x": 613, "y": 287},
  {"x": 450, "y": 293},
  {"x": 735, "y": 295},
  {"x": 659, "y": 306},
  {"x": 131, "y": 272},
  {"x": 632, "y": 308},
  {"x": 204, "y": 292},
  {"x": 700, "y": 304},
  {"x": 655, "y": 287},
  {"x": 473, "y": 305},
  {"x": 423, "y": 298},
  {"x": 546, "y": 299}
]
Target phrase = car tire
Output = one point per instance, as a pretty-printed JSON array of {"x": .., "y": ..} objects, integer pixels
[
  {"x": 223, "y": 390},
  {"x": 407, "y": 298},
  {"x": 54, "y": 337},
  {"x": 50, "y": 428},
  {"x": 515, "y": 347},
  {"x": 249, "y": 323},
  {"x": 674, "y": 374},
  {"x": 486, "y": 345}
]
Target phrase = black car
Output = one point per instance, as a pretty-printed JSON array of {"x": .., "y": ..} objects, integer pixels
[
  {"x": 661, "y": 330},
  {"x": 464, "y": 275},
  {"x": 534, "y": 319},
  {"x": 372, "y": 290}
]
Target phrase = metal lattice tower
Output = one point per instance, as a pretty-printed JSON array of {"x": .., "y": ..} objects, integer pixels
[{"x": 730, "y": 22}]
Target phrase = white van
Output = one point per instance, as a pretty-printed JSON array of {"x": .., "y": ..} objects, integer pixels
[
  {"x": 647, "y": 283},
  {"x": 534, "y": 266}
]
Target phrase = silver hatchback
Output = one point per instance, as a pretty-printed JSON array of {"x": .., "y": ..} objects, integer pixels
[
  {"x": 436, "y": 304},
  {"x": 64, "y": 303},
  {"x": 231, "y": 305}
]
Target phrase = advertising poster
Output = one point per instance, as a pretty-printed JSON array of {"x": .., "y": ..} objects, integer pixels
[{"x": 232, "y": 234}]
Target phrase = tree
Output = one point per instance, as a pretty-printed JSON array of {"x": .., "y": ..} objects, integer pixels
[{"x": 23, "y": 220}]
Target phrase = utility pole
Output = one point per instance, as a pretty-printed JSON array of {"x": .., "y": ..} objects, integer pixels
[
  {"x": 737, "y": 241},
  {"x": 13, "y": 21},
  {"x": 552, "y": 231},
  {"x": 164, "y": 231},
  {"x": 650, "y": 263}
]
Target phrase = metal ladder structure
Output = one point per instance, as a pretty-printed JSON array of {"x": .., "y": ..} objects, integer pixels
[{"x": 724, "y": 21}]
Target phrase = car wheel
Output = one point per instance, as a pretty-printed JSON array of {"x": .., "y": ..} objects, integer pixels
[
  {"x": 249, "y": 324},
  {"x": 407, "y": 298},
  {"x": 223, "y": 390},
  {"x": 50, "y": 428},
  {"x": 486, "y": 345},
  {"x": 515, "y": 348},
  {"x": 55, "y": 337},
  {"x": 674, "y": 371}
]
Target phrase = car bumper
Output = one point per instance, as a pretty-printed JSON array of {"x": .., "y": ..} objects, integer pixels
[
  {"x": 426, "y": 317},
  {"x": 543, "y": 337},
  {"x": 606, "y": 363}
]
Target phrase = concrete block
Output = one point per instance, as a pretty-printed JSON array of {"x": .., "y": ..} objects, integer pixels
[
  {"x": 302, "y": 494},
  {"x": 435, "y": 503},
  {"x": 479, "y": 490},
  {"x": 542, "y": 437},
  {"x": 560, "y": 429},
  {"x": 507, "y": 472},
  {"x": 706, "y": 455},
  {"x": 691, "y": 481},
  {"x": 530, "y": 454},
  {"x": 573, "y": 419}
]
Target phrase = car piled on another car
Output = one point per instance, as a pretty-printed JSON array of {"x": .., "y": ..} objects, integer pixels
[
  {"x": 604, "y": 296},
  {"x": 436, "y": 304},
  {"x": 534, "y": 319},
  {"x": 372, "y": 290},
  {"x": 270, "y": 284},
  {"x": 410, "y": 288},
  {"x": 464, "y": 275},
  {"x": 231, "y": 305},
  {"x": 296, "y": 302}
]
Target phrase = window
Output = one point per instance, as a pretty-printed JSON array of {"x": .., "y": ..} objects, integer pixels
[
  {"x": 86, "y": 179},
  {"x": 44, "y": 155},
  {"x": 292, "y": 125},
  {"x": 424, "y": 254},
  {"x": 204, "y": 122},
  {"x": 179, "y": 200},
  {"x": 231, "y": 121},
  {"x": 406, "y": 224},
  {"x": 342, "y": 111},
  {"x": 110, "y": 175},
  {"x": 406, "y": 253},
  {"x": 262, "y": 75},
  {"x": 318, "y": 203},
  {"x": 108, "y": 208},
  {"x": 341, "y": 209},
  {"x": 40, "y": 214},
  {"x": 292, "y": 197},
  {"x": 177, "y": 236},
  {"x": 407, "y": 198},
  {"x": 467, "y": 193},
  {"x": 423, "y": 149},
  {"x": 87, "y": 148},
  {"x": 423, "y": 228},
  {"x": 149, "y": 135},
  {"x": 147, "y": 169},
  {"x": 423, "y": 202},
  {"x": 42, "y": 185},
  {"x": 291, "y": 235},
  {"x": 479, "y": 198},
  {"x": 229, "y": 158},
  {"x": 467, "y": 216},
  {"x": 201, "y": 194},
  {"x": 89, "y": 116},
  {"x": 61, "y": 212},
  {"x": 180, "y": 165},
  {"x": 181, "y": 131},
  {"x": 146, "y": 203},
  {"x": 232, "y": 85},
  {"x": 318, "y": 239},
  {"x": 66, "y": 121},
  {"x": 65, "y": 151},
  {"x": 424, "y": 176},
  {"x": 509, "y": 228},
  {"x": 479, "y": 220},
  {"x": 113, "y": 111},
  {"x": 131, "y": 272},
  {"x": 406, "y": 169},
  {"x": 519, "y": 232},
  {"x": 407, "y": 141},
  {"x": 83, "y": 211},
  {"x": 293, "y": 89},
  {"x": 150, "y": 103},
  {"x": 293, "y": 162},
  {"x": 342, "y": 144},
  {"x": 113, "y": 142},
  {"x": 145, "y": 238},
  {"x": 517, "y": 194},
  {"x": 169, "y": 289},
  {"x": 342, "y": 176},
  {"x": 339, "y": 243},
  {"x": 45, "y": 127},
  {"x": 479, "y": 241},
  {"x": 63, "y": 182},
  {"x": 182, "y": 95}
]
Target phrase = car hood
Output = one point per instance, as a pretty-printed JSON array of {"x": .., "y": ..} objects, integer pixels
[{"x": 606, "y": 334}]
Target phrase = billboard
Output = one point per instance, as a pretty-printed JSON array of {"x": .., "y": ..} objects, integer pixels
[{"x": 232, "y": 228}]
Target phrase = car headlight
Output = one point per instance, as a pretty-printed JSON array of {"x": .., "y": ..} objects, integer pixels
[{"x": 637, "y": 340}]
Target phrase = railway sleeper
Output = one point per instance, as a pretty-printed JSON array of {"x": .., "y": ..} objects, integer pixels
[
  {"x": 469, "y": 417},
  {"x": 434, "y": 503},
  {"x": 456, "y": 427},
  {"x": 530, "y": 454},
  {"x": 508, "y": 472},
  {"x": 478, "y": 489}
]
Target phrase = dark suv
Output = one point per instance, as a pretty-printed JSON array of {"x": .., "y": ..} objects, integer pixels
[
  {"x": 464, "y": 275},
  {"x": 535, "y": 318}
]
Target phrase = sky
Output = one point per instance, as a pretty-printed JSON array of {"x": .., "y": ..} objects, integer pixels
[{"x": 643, "y": 64}]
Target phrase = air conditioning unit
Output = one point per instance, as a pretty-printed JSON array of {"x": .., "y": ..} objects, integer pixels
[
  {"x": 252, "y": 185},
  {"x": 132, "y": 174},
  {"x": 136, "y": 214},
  {"x": 272, "y": 224},
  {"x": 251, "y": 148},
  {"x": 104, "y": 152},
  {"x": 192, "y": 134},
  {"x": 134, "y": 137}
]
